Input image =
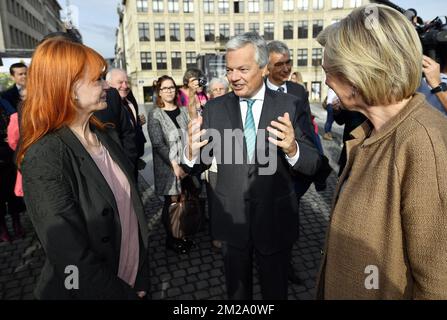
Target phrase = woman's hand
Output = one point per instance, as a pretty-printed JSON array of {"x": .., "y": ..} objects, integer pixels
[
  {"x": 141, "y": 294},
  {"x": 178, "y": 171},
  {"x": 432, "y": 71}
]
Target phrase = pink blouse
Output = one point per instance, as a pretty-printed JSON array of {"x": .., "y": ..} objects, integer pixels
[{"x": 119, "y": 184}]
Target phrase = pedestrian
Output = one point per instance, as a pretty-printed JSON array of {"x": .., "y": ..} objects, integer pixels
[
  {"x": 18, "y": 73},
  {"x": 331, "y": 100},
  {"x": 78, "y": 184},
  {"x": 165, "y": 122},
  {"x": 193, "y": 93},
  {"x": 254, "y": 212},
  {"x": 387, "y": 237}
]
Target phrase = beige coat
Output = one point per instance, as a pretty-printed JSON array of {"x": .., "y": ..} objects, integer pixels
[{"x": 390, "y": 212}]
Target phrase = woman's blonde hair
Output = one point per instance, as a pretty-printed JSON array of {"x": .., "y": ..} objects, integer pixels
[{"x": 378, "y": 51}]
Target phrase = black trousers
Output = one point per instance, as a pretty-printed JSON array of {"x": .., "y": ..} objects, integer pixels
[
  {"x": 238, "y": 266},
  {"x": 16, "y": 205}
]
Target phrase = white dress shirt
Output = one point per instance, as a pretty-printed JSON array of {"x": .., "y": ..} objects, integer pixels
[{"x": 274, "y": 87}]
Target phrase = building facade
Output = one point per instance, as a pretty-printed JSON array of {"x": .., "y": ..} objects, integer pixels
[
  {"x": 157, "y": 37},
  {"x": 23, "y": 23}
]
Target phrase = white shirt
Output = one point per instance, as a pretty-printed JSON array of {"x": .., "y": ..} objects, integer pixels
[
  {"x": 274, "y": 87},
  {"x": 256, "y": 110}
]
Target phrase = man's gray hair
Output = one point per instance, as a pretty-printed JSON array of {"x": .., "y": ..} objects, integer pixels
[
  {"x": 112, "y": 71},
  {"x": 276, "y": 46},
  {"x": 253, "y": 38},
  {"x": 222, "y": 81}
]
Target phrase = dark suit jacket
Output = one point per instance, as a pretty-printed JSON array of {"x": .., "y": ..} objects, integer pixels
[
  {"x": 76, "y": 218},
  {"x": 12, "y": 95},
  {"x": 140, "y": 139},
  {"x": 115, "y": 114},
  {"x": 251, "y": 206}
]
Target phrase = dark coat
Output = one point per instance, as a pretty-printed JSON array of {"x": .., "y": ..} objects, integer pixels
[
  {"x": 115, "y": 114},
  {"x": 249, "y": 205},
  {"x": 76, "y": 218},
  {"x": 140, "y": 139},
  {"x": 12, "y": 95}
]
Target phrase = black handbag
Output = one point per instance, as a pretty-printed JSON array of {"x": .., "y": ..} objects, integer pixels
[{"x": 185, "y": 214}]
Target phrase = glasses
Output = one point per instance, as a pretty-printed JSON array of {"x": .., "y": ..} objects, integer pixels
[
  {"x": 287, "y": 63},
  {"x": 167, "y": 89}
]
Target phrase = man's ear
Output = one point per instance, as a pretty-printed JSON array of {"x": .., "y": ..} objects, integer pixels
[{"x": 265, "y": 71}]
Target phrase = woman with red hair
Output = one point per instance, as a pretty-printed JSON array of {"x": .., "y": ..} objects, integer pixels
[{"x": 78, "y": 185}]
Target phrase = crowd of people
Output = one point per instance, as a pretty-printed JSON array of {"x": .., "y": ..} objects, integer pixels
[{"x": 79, "y": 144}]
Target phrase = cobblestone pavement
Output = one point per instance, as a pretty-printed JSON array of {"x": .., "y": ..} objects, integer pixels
[{"x": 198, "y": 275}]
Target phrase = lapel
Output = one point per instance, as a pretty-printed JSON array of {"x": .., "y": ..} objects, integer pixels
[
  {"x": 234, "y": 113},
  {"x": 88, "y": 167}
]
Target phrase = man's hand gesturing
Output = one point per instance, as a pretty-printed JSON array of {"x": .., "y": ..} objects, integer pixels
[{"x": 285, "y": 134}]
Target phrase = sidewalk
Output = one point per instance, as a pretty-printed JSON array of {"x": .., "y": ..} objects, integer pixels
[{"x": 198, "y": 275}]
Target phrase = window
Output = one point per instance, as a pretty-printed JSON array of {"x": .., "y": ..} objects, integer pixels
[
  {"x": 209, "y": 32},
  {"x": 317, "y": 27},
  {"x": 159, "y": 32},
  {"x": 356, "y": 3},
  {"x": 337, "y": 4},
  {"x": 253, "y": 6},
  {"x": 269, "y": 31},
  {"x": 161, "y": 60},
  {"x": 173, "y": 6},
  {"x": 303, "y": 4},
  {"x": 174, "y": 32},
  {"x": 317, "y": 55},
  {"x": 269, "y": 6},
  {"x": 146, "y": 60},
  {"x": 176, "y": 60},
  {"x": 190, "y": 34},
  {"x": 303, "y": 29},
  {"x": 141, "y": 5},
  {"x": 291, "y": 57},
  {"x": 224, "y": 32},
  {"x": 318, "y": 4},
  {"x": 157, "y": 6},
  {"x": 335, "y": 21},
  {"x": 288, "y": 30},
  {"x": 239, "y": 28},
  {"x": 143, "y": 31},
  {"x": 238, "y": 6},
  {"x": 208, "y": 6},
  {"x": 302, "y": 57},
  {"x": 191, "y": 61},
  {"x": 287, "y": 5},
  {"x": 224, "y": 6},
  {"x": 253, "y": 27},
  {"x": 188, "y": 6}
]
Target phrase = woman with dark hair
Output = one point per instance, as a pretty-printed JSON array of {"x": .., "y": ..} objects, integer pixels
[
  {"x": 165, "y": 123},
  {"x": 78, "y": 184}
]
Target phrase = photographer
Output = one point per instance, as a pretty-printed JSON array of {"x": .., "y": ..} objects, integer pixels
[
  {"x": 434, "y": 86},
  {"x": 193, "y": 94}
]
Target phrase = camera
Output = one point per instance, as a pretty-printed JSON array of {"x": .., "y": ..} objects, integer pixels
[
  {"x": 202, "y": 82},
  {"x": 433, "y": 35}
]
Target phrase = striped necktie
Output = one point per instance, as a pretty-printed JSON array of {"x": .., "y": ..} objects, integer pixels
[{"x": 250, "y": 129}]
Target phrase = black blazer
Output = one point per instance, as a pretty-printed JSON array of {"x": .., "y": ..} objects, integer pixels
[
  {"x": 115, "y": 114},
  {"x": 140, "y": 139},
  {"x": 249, "y": 205},
  {"x": 76, "y": 218},
  {"x": 12, "y": 95}
]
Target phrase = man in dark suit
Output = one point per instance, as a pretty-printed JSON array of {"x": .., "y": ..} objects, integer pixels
[
  {"x": 18, "y": 74},
  {"x": 117, "y": 78},
  {"x": 254, "y": 209},
  {"x": 279, "y": 70}
]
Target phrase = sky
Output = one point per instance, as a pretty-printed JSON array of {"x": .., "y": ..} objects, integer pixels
[{"x": 98, "y": 19}]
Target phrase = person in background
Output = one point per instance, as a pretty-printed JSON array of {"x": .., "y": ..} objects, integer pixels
[
  {"x": 78, "y": 184},
  {"x": 387, "y": 237},
  {"x": 193, "y": 94},
  {"x": 154, "y": 92},
  {"x": 331, "y": 100},
  {"x": 165, "y": 121},
  {"x": 18, "y": 73},
  {"x": 117, "y": 78},
  {"x": 297, "y": 78}
]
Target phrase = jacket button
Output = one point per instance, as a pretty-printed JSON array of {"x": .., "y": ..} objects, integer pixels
[{"x": 105, "y": 239}]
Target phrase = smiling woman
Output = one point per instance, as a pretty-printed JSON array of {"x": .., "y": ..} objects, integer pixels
[{"x": 78, "y": 184}]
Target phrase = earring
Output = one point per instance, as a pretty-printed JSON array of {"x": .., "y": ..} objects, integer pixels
[{"x": 354, "y": 92}]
